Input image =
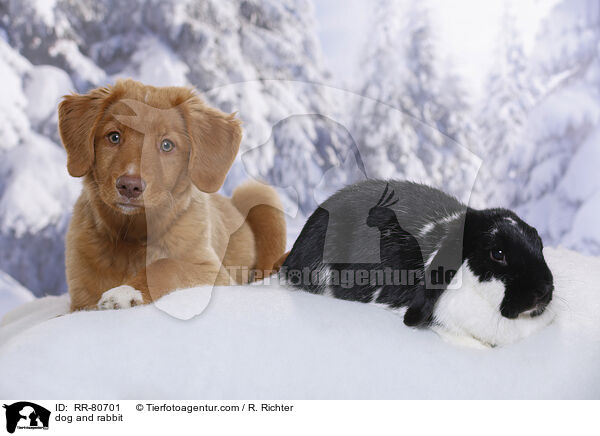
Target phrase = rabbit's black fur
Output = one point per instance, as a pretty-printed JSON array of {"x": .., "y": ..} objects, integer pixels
[{"x": 420, "y": 237}]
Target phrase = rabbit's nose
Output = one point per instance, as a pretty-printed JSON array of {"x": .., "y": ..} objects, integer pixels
[{"x": 544, "y": 293}]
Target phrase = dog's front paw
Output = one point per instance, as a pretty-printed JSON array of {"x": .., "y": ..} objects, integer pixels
[{"x": 120, "y": 297}]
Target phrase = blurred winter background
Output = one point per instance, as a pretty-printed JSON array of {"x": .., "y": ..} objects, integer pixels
[{"x": 329, "y": 92}]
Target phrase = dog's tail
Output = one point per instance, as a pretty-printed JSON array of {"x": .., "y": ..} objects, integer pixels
[
  {"x": 261, "y": 206},
  {"x": 279, "y": 263}
]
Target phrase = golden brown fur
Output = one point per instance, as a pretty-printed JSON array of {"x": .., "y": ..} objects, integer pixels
[
  {"x": 179, "y": 233},
  {"x": 279, "y": 263}
]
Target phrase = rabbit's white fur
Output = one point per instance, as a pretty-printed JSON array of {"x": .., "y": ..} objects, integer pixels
[{"x": 468, "y": 313}]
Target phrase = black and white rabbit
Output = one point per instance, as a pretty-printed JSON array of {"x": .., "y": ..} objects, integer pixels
[{"x": 476, "y": 277}]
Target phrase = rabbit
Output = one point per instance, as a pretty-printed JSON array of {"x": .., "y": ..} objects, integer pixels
[{"x": 476, "y": 277}]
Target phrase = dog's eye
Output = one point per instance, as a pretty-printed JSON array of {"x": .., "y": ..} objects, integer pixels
[
  {"x": 114, "y": 137},
  {"x": 498, "y": 255},
  {"x": 167, "y": 145}
]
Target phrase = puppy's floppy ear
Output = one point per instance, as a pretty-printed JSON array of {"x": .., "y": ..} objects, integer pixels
[
  {"x": 215, "y": 140},
  {"x": 78, "y": 116}
]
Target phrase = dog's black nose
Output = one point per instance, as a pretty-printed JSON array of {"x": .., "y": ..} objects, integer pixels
[{"x": 130, "y": 186}]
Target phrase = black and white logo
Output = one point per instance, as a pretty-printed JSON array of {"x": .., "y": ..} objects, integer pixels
[{"x": 26, "y": 415}]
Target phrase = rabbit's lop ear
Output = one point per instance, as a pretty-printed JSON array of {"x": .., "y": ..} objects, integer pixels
[
  {"x": 78, "y": 117},
  {"x": 420, "y": 310},
  {"x": 215, "y": 140}
]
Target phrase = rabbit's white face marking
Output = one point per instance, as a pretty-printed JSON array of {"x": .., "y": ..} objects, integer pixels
[
  {"x": 471, "y": 308},
  {"x": 502, "y": 246},
  {"x": 508, "y": 219},
  {"x": 468, "y": 301}
]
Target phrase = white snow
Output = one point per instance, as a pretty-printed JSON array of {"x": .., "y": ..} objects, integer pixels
[
  {"x": 263, "y": 60},
  {"x": 557, "y": 187},
  {"x": 576, "y": 181},
  {"x": 45, "y": 9},
  {"x": 12, "y": 294},
  {"x": 44, "y": 86},
  {"x": 265, "y": 341},
  {"x": 13, "y": 121},
  {"x": 85, "y": 70},
  {"x": 36, "y": 193},
  {"x": 41, "y": 192},
  {"x": 155, "y": 64},
  {"x": 585, "y": 233},
  {"x": 412, "y": 122}
]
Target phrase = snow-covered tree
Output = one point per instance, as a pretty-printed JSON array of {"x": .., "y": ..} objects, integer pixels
[
  {"x": 384, "y": 131},
  {"x": 561, "y": 194},
  {"x": 502, "y": 116},
  {"x": 36, "y": 194},
  {"x": 414, "y": 121}
]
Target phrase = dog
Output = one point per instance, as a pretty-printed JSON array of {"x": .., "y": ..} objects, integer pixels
[{"x": 149, "y": 220}]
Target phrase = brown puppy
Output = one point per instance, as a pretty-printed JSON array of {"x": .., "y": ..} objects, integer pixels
[{"x": 148, "y": 221}]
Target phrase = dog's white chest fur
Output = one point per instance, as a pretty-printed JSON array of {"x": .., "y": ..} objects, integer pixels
[{"x": 468, "y": 313}]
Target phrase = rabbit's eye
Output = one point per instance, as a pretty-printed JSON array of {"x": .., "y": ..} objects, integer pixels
[{"x": 498, "y": 255}]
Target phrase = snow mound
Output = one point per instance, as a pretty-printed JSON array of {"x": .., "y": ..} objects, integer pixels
[
  {"x": 269, "y": 342},
  {"x": 12, "y": 294}
]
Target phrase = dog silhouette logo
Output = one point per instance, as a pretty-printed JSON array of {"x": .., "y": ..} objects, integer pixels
[{"x": 26, "y": 415}]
